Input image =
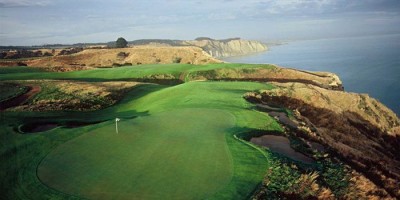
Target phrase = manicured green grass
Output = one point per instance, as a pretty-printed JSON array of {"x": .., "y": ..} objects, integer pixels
[
  {"x": 162, "y": 156},
  {"x": 181, "y": 148}
]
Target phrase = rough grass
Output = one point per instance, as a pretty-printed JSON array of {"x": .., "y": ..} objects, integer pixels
[{"x": 72, "y": 95}]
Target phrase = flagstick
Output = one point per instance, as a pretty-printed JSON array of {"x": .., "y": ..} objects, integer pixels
[{"x": 116, "y": 124}]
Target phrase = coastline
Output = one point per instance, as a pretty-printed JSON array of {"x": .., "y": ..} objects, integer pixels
[{"x": 364, "y": 65}]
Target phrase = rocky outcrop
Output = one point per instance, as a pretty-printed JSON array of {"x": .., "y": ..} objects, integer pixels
[
  {"x": 357, "y": 128},
  {"x": 229, "y": 47}
]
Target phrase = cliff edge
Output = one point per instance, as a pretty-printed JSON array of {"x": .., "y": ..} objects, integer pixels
[
  {"x": 360, "y": 130},
  {"x": 228, "y": 47}
]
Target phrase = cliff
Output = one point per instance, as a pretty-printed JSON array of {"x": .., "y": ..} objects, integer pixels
[
  {"x": 358, "y": 129},
  {"x": 229, "y": 47},
  {"x": 216, "y": 48}
]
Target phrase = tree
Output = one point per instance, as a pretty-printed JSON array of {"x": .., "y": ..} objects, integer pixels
[{"x": 121, "y": 43}]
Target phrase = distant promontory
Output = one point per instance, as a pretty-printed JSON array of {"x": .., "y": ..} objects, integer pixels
[{"x": 216, "y": 48}]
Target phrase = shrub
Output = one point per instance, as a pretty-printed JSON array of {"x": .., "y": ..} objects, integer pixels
[
  {"x": 122, "y": 55},
  {"x": 177, "y": 60},
  {"x": 22, "y": 64},
  {"x": 47, "y": 54},
  {"x": 121, "y": 43}
]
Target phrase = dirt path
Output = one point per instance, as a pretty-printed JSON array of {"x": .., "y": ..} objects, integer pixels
[{"x": 16, "y": 101}]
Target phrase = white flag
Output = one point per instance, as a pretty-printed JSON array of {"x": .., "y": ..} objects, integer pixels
[{"x": 117, "y": 119}]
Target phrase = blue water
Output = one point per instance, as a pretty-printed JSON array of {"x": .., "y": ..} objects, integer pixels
[{"x": 364, "y": 64}]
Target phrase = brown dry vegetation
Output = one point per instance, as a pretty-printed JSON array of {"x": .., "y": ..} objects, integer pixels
[
  {"x": 90, "y": 58},
  {"x": 359, "y": 129},
  {"x": 71, "y": 95},
  {"x": 362, "y": 188}
]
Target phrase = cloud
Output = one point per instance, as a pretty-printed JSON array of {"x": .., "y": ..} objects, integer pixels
[
  {"x": 23, "y": 3},
  {"x": 281, "y": 8},
  {"x": 90, "y": 20},
  {"x": 221, "y": 16}
]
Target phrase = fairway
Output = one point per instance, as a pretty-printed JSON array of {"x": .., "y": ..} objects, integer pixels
[{"x": 178, "y": 154}]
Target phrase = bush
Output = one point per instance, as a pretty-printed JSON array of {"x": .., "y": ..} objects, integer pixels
[
  {"x": 177, "y": 60},
  {"x": 284, "y": 181},
  {"x": 121, "y": 43},
  {"x": 122, "y": 54},
  {"x": 47, "y": 54}
]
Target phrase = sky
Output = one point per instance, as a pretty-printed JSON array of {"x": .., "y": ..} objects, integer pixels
[{"x": 37, "y": 22}]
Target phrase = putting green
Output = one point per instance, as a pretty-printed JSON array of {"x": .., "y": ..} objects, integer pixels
[{"x": 178, "y": 154}]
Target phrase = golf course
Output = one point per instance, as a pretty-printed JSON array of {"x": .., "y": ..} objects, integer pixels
[
  {"x": 170, "y": 131},
  {"x": 173, "y": 141}
]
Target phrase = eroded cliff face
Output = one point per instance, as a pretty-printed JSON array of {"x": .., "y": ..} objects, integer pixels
[
  {"x": 357, "y": 128},
  {"x": 230, "y": 47}
]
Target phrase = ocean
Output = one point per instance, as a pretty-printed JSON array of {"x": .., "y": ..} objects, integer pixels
[{"x": 369, "y": 64}]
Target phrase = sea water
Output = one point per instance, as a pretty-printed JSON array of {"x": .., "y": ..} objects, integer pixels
[{"x": 369, "y": 64}]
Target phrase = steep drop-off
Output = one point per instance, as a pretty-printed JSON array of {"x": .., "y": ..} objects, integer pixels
[
  {"x": 230, "y": 47},
  {"x": 357, "y": 128}
]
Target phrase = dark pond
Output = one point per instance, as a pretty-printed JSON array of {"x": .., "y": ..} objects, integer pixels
[{"x": 281, "y": 145}]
